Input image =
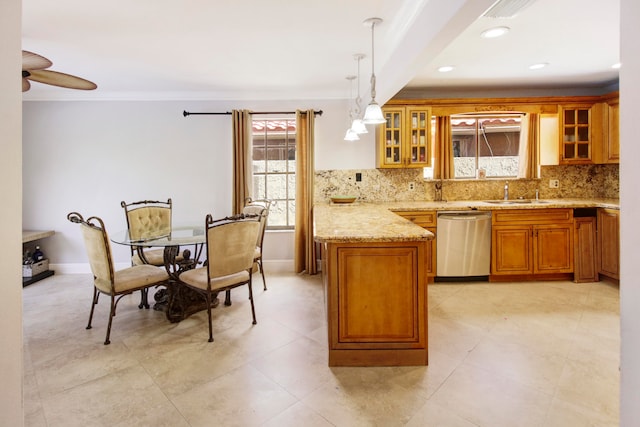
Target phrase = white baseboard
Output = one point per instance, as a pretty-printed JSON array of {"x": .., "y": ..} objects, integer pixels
[
  {"x": 276, "y": 266},
  {"x": 75, "y": 268}
]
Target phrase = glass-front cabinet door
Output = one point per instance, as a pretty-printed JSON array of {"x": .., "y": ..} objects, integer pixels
[
  {"x": 393, "y": 138},
  {"x": 420, "y": 132},
  {"x": 404, "y": 140},
  {"x": 575, "y": 133}
]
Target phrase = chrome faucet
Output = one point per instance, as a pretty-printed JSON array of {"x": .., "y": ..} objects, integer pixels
[{"x": 506, "y": 191}]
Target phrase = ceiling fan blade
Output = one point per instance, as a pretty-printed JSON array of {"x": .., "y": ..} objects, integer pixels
[
  {"x": 33, "y": 61},
  {"x": 57, "y": 78},
  {"x": 25, "y": 84}
]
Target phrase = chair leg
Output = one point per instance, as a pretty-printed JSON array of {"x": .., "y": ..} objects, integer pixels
[
  {"x": 112, "y": 313},
  {"x": 144, "y": 298},
  {"x": 94, "y": 301},
  {"x": 264, "y": 282},
  {"x": 208, "y": 298},
  {"x": 253, "y": 309},
  {"x": 227, "y": 297}
]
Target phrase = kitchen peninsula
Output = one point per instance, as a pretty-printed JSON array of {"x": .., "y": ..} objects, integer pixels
[
  {"x": 375, "y": 274},
  {"x": 373, "y": 267}
]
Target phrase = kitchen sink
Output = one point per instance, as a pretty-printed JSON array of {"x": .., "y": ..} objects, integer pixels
[{"x": 515, "y": 201}]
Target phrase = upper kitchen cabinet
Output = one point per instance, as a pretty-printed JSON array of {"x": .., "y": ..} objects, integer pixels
[
  {"x": 404, "y": 141},
  {"x": 576, "y": 133},
  {"x": 589, "y": 132}
]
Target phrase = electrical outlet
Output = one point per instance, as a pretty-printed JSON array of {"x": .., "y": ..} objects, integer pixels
[
  {"x": 412, "y": 186},
  {"x": 554, "y": 183}
]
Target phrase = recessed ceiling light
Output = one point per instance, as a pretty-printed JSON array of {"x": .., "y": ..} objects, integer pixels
[
  {"x": 494, "y": 32},
  {"x": 616, "y": 66},
  {"x": 445, "y": 68},
  {"x": 538, "y": 65}
]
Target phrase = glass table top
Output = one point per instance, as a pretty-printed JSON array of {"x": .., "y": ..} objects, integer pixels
[{"x": 180, "y": 235}]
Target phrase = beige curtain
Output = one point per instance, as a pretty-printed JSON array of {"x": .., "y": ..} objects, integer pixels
[
  {"x": 242, "y": 170},
  {"x": 443, "y": 167},
  {"x": 528, "y": 149},
  {"x": 305, "y": 249}
]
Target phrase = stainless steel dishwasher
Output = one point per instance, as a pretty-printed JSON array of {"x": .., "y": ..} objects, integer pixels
[{"x": 463, "y": 245}]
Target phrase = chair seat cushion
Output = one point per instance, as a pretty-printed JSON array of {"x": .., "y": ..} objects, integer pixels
[
  {"x": 197, "y": 278},
  {"x": 153, "y": 256},
  {"x": 136, "y": 277}
]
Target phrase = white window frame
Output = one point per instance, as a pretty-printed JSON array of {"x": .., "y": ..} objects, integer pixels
[{"x": 267, "y": 171}]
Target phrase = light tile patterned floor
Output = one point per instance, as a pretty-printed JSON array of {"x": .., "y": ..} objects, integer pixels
[{"x": 501, "y": 354}]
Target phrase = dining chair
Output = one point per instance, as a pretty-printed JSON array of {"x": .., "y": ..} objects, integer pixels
[
  {"x": 106, "y": 280},
  {"x": 147, "y": 219},
  {"x": 230, "y": 250},
  {"x": 259, "y": 207}
]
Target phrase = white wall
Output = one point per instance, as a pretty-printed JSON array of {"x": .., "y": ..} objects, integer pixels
[
  {"x": 11, "y": 361},
  {"x": 88, "y": 156},
  {"x": 630, "y": 212}
]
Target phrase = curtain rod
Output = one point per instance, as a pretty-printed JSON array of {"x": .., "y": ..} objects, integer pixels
[{"x": 228, "y": 113}]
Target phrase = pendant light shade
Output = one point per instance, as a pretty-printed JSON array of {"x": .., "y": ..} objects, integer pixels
[
  {"x": 373, "y": 114},
  {"x": 351, "y": 135},
  {"x": 358, "y": 126}
]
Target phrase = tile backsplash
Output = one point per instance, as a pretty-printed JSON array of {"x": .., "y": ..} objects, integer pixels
[{"x": 379, "y": 185}]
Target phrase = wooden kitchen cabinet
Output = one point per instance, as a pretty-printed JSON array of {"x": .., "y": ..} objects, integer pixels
[
  {"x": 530, "y": 243},
  {"x": 404, "y": 140},
  {"x": 608, "y": 234},
  {"x": 611, "y": 145},
  {"x": 376, "y": 295},
  {"x": 577, "y": 133},
  {"x": 606, "y": 146},
  {"x": 426, "y": 220},
  {"x": 585, "y": 264}
]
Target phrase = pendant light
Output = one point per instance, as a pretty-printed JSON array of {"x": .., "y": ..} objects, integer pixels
[
  {"x": 350, "y": 135},
  {"x": 373, "y": 113},
  {"x": 358, "y": 125}
]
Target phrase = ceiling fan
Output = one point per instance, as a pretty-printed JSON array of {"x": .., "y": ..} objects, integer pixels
[{"x": 33, "y": 68}]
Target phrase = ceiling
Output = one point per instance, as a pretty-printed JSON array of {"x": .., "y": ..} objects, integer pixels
[{"x": 285, "y": 50}]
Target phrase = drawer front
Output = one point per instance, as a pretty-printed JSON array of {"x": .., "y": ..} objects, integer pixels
[
  {"x": 532, "y": 216},
  {"x": 421, "y": 218}
]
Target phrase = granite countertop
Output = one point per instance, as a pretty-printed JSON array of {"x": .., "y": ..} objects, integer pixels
[
  {"x": 364, "y": 222},
  {"x": 483, "y": 205},
  {"x": 377, "y": 222}
]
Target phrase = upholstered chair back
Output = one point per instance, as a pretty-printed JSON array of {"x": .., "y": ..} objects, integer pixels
[
  {"x": 148, "y": 222},
  {"x": 262, "y": 212},
  {"x": 99, "y": 253},
  {"x": 231, "y": 246}
]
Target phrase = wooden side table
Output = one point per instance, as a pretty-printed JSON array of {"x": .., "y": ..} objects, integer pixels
[{"x": 29, "y": 236}]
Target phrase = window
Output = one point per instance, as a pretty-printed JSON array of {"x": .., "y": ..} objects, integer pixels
[
  {"x": 486, "y": 144},
  {"x": 274, "y": 169}
]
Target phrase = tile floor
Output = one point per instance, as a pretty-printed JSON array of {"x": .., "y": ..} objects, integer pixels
[{"x": 501, "y": 354}]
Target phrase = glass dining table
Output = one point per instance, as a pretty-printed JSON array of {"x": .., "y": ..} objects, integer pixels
[{"x": 177, "y": 301}]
